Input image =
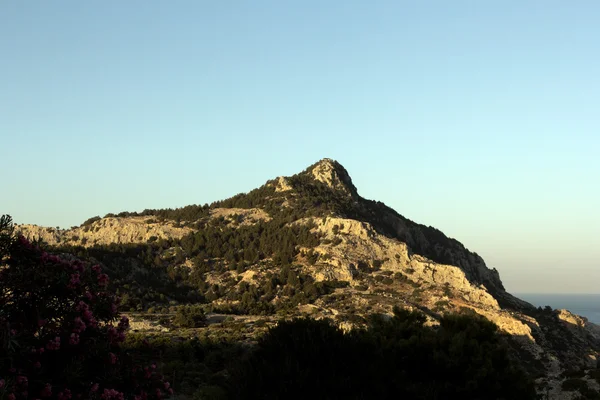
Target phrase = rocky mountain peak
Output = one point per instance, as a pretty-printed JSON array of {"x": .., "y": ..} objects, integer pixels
[
  {"x": 355, "y": 257},
  {"x": 334, "y": 175}
]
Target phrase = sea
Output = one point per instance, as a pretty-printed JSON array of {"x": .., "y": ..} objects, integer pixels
[{"x": 586, "y": 305}]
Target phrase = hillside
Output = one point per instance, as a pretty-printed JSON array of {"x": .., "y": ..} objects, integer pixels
[{"x": 309, "y": 244}]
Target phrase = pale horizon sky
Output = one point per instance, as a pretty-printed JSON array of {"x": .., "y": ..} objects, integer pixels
[{"x": 478, "y": 118}]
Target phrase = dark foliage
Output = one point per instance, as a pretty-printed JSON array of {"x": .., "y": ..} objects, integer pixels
[
  {"x": 396, "y": 358},
  {"x": 90, "y": 221},
  {"x": 189, "y": 317},
  {"x": 60, "y": 329},
  {"x": 140, "y": 275}
]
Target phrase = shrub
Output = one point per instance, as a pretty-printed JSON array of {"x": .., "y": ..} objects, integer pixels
[
  {"x": 399, "y": 276},
  {"x": 441, "y": 305},
  {"x": 189, "y": 317},
  {"x": 387, "y": 281},
  {"x": 595, "y": 374},
  {"x": 90, "y": 221},
  {"x": 60, "y": 330},
  {"x": 574, "y": 384}
]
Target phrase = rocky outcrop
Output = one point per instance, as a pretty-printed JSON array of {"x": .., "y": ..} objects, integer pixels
[
  {"x": 106, "y": 231},
  {"x": 334, "y": 175},
  {"x": 282, "y": 185},
  {"x": 350, "y": 244},
  {"x": 241, "y": 216}
]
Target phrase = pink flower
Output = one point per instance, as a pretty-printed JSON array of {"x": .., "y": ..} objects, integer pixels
[
  {"x": 24, "y": 242},
  {"x": 74, "y": 339},
  {"x": 112, "y": 333},
  {"x": 158, "y": 394},
  {"x": 66, "y": 395},
  {"x": 74, "y": 280},
  {"x": 110, "y": 394},
  {"x": 124, "y": 323},
  {"x": 11, "y": 396},
  {"x": 167, "y": 385},
  {"x": 53, "y": 344},
  {"x": 97, "y": 269},
  {"x": 2, "y": 383},
  {"x": 113, "y": 358},
  {"x": 82, "y": 306},
  {"x": 89, "y": 295},
  {"x": 77, "y": 266},
  {"x": 115, "y": 336},
  {"x": 47, "y": 391},
  {"x": 94, "y": 388},
  {"x": 87, "y": 315},
  {"x": 22, "y": 380},
  {"x": 102, "y": 279},
  {"x": 79, "y": 325}
]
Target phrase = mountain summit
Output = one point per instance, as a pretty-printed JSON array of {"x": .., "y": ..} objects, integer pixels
[{"x": 334, "y": 175}]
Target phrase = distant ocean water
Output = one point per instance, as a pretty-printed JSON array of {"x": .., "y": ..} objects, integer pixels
[{"x": 586, "y": 305}]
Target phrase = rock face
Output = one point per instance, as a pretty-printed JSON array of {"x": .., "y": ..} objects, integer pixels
[
  {"x": 241, "y": 216},
  {"x": 359, "y": 242},
  {"x": 106, "y": 231},
  {"x": 420, "y": 239},
  {"x": 334, "y": 175},
  {"x": 282, "y": 185}
]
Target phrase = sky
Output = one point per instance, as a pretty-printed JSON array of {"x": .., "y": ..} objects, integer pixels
[{"x": 479, "y": 118}]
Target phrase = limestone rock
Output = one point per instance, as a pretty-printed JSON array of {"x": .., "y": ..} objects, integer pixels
[{"x": 106, "y": 231}]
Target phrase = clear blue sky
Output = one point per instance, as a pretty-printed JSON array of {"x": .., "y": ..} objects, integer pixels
[{"x": 480, "y": 118}]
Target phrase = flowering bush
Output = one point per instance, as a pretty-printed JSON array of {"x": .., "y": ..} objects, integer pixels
[{"x": 60, "y": 330}]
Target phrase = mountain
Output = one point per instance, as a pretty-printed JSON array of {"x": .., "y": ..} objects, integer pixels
[{"x": 310, "y": 244}]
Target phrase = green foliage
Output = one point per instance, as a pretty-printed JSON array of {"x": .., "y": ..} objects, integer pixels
[
  {"x": 187, "y": 213},
  {"x": 90, "y": 221},
  {"x": 189, "y": 317},
  {"x": 441, "y": 305}
]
